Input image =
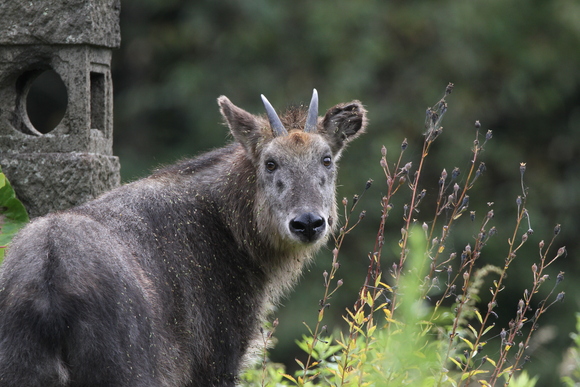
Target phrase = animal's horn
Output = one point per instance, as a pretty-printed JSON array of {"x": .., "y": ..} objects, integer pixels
[
  {"x": 312, "y": 118},
  {"x": 275, "y": 122}
]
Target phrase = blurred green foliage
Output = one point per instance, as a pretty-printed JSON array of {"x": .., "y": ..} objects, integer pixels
[
  {"x": 571, "y": 364},
  {"x": 514, "y": 63}
]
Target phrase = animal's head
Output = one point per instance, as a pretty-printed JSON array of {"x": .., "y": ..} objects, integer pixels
[{"x": 295, "y": 158}]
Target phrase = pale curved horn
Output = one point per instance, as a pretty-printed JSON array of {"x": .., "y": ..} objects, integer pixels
[
  {"x": 312, "y": 118},
  {"x": 275, "y": 122}
]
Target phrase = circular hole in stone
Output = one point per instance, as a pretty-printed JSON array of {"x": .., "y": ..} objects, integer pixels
[{"x": 46, "y": 101}]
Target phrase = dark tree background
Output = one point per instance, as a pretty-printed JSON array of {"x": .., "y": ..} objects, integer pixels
[{"x": 516, "y": 68}]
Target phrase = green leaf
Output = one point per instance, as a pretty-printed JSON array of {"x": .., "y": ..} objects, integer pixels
[
  {"x": 488, "y": 329},
  {"x": 469, "y": 343},
  {"x": 13, "y": 215},
  {"x": 472, "y": 330},
  {"x": 479, "y": 318},
  {"x": 305, "y": 344},
  {"x": 458, "y": 364},
  {"x": 370, "y": 301},
  {"x": 299, "y": 363}
]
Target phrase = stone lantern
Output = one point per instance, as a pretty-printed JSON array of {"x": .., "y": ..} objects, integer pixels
[{"x": 72, "y": 162}]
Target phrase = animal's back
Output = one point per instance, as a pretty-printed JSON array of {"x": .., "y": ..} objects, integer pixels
[{"x": 65, "y": 304}]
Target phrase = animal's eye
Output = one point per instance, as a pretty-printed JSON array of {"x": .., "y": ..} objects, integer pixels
[
  {"x": 271, "y": 166},
  {"x": 327, "y": 161}
]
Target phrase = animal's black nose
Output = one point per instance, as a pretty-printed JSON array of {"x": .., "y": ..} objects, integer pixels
[{"x": 307, "y": 226}]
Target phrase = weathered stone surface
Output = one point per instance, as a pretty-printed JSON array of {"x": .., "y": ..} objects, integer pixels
[
  {"x": 87, "y": 125},
  {"x": 47, "y": 182},
  {"x": 60, "y": 22},
  {"x": 73, "y": 162}
]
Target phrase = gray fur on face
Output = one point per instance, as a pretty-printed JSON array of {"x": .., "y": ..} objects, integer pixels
[{"x": 166, "y": 281}]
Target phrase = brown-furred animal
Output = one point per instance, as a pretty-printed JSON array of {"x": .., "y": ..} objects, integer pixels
[{"x": 166, "y": 281}]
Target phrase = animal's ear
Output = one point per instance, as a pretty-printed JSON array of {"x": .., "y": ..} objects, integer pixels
[
  {"x": 245, "y": 127},
  {"x": 343, "y": 123}
]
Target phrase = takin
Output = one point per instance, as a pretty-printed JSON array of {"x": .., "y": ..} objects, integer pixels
[{"x": 166, "y": 281}]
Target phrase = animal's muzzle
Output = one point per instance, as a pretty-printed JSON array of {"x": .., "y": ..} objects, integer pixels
[{"x": 308, "y": 226}]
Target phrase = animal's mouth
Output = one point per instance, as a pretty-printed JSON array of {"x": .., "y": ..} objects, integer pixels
[{"x": 308, "y": 227}]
